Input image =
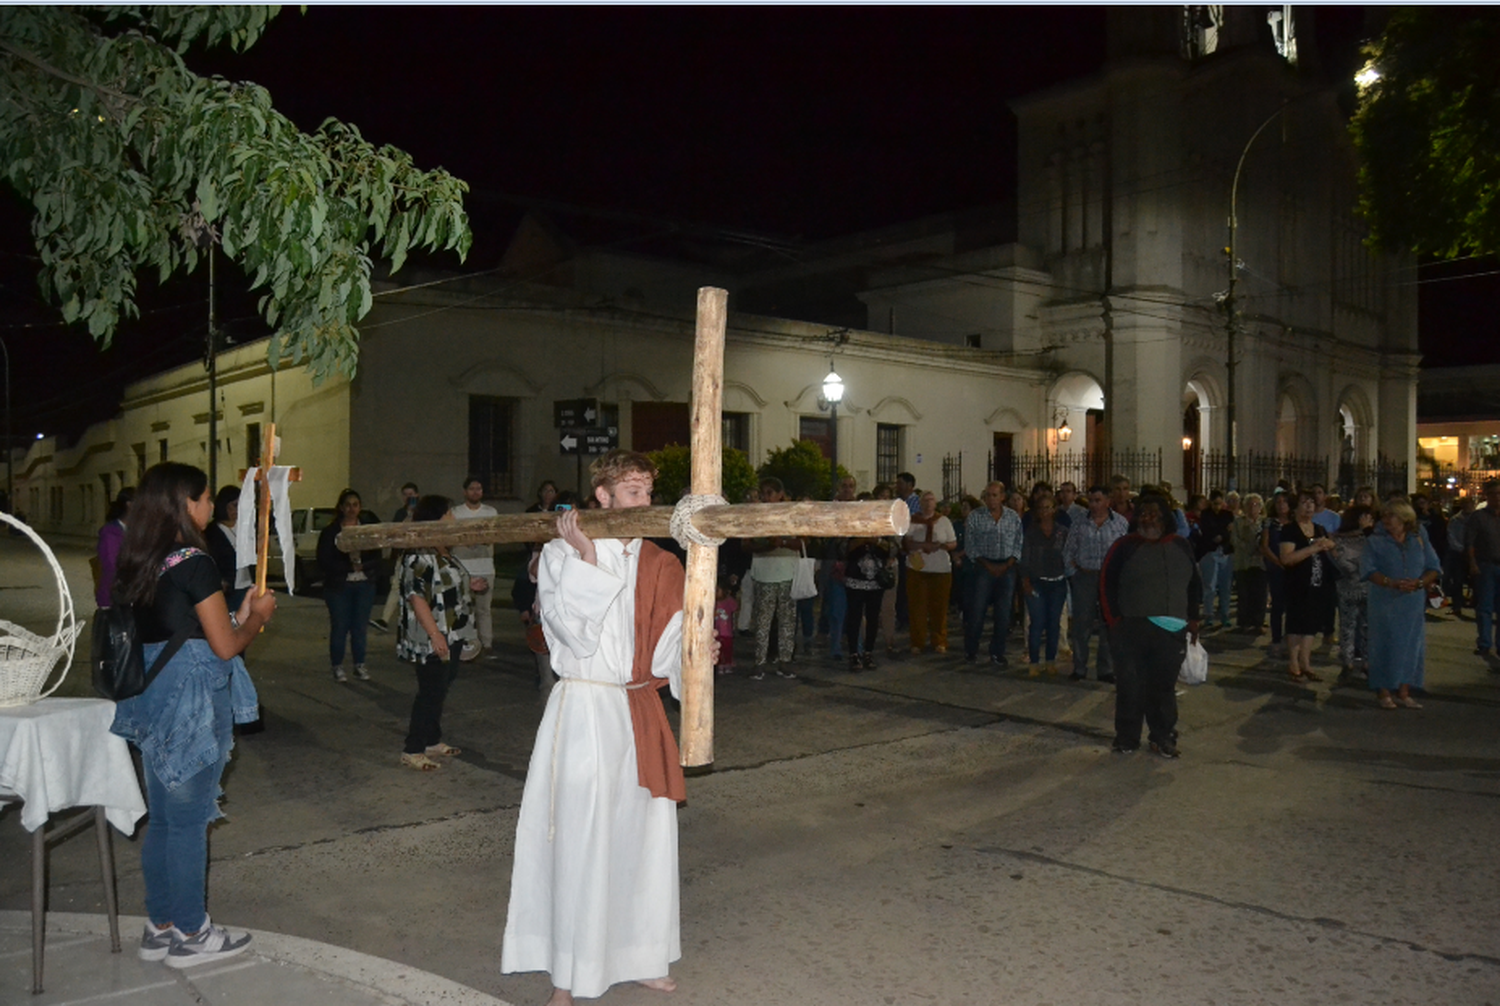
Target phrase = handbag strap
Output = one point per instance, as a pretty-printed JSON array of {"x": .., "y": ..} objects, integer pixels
[
  {"x": 167, "y": 653},
  {"x": 175, "y": 643}
]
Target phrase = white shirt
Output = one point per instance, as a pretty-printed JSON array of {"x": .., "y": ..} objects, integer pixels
[{"x": 479, "y": 560}]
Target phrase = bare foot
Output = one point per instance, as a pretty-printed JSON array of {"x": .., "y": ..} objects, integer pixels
[
  {"x": 560, "y": 997},
  {"x": 667, "y": 984}
]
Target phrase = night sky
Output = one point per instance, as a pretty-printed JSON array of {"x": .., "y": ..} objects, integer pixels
[{"x": 796, "y": 123}]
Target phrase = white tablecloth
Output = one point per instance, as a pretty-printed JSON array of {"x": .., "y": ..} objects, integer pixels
[{"x": 59, "y": 753}]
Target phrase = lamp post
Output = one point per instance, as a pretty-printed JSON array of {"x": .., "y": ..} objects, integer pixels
[
  {"x": 833, "y": 393},
  {"x": 1231, "y": 312}
]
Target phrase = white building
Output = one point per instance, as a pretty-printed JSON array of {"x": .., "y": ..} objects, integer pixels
[{"x": 1089, "y": 305}]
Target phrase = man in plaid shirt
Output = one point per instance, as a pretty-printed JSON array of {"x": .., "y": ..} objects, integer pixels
[
  {"x": 1089, "y": 541},
  {"x": 992, "y": 542}
]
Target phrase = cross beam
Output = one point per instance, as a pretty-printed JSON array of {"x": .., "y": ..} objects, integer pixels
[{"x": 814, "y": 520}]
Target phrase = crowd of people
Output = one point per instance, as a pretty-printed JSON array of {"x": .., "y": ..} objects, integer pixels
[
  {"x": 1140, "y": 575},
  {"x": 1310, "y": 564}
]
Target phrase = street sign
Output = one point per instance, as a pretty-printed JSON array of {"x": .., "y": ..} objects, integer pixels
[
  {"x": 575, "y": 412},
  {"x": 589, "y": 440}
]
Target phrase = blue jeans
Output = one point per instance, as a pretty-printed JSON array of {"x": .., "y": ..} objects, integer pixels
[
  {"x": 1218, "y": 575},
  {"x": 174, "y": 853},
  {"x": 984, "y": 592},
  {"x": 835, "y": 606},
  {"x": 348, "y": 615},
  {"x": 1486, "y": 590},
  {"x": 1045, "y": 604}
]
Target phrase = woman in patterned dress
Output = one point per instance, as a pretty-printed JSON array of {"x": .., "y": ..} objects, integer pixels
[{"x": 437, "y": 620}]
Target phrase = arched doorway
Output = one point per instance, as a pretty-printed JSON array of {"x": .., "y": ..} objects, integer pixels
[
  {"x": 1192, "y": 450},
  {"x": 1286, "y": 425},
  {"x": 1076, "y": 428},
  {"x": 1202, "y": 462}
]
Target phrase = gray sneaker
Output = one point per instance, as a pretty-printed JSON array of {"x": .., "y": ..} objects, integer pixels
[
  {"x": 213, "y": 943},
  {"x": 361, "y": 673},
  {"x": 340, "y": 676},
  {"x": 156, "y": 942}
]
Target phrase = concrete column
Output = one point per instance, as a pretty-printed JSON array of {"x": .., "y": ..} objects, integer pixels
[{"x": 1396, "y": 416}]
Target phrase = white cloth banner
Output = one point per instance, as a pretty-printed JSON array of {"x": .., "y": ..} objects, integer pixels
[{"x": 281, "y": 513}]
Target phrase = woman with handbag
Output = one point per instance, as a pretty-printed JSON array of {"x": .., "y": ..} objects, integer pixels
[
  {"x": 929, "y": 575},
  {"x": 183, "y": 722}
]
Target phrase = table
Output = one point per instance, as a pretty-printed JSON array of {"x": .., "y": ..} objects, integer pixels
[{"x": 56, "y": 754}]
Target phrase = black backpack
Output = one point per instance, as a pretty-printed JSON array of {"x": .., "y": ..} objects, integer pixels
[{"x": 118, "y": 658}]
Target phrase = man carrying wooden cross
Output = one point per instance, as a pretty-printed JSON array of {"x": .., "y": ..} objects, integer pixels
[{"x": 594, "y": 897}]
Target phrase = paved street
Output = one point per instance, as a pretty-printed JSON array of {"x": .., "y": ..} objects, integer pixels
[{"x": 919, "y": 834}]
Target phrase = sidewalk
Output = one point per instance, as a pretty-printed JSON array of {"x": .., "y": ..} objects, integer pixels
[{"x": 78, "y": 968}]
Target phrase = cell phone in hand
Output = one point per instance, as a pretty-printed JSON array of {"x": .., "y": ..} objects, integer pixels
[{"x": 563, "y": 506}]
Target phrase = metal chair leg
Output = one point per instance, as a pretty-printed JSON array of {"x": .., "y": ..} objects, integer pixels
[
  {"x": 38, "y": 904},
  {"x": 107, "y": 871}
]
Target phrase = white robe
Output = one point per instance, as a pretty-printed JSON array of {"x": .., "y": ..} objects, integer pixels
[{"x": 594, "y": 895}]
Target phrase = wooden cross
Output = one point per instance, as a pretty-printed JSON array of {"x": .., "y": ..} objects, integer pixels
[
  {"x": 268, "y": 450},
  {"x": 816, "y": 520}
]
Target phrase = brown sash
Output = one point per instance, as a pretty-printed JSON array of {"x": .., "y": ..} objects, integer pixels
[{"x": 658, "y": 596}]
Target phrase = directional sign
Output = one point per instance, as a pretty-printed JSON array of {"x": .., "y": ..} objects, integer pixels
[
  {"x": 590, "y": 440},
  {"x": 575, "y": 412}
]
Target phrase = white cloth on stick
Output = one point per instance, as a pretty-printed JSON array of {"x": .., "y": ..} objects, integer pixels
[
  {"x": 281, "y": 514},
  {"x": 595, "y": 902}
]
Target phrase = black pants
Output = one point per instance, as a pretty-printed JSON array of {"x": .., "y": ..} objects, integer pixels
[
  {"x": 433, "y": 679},
  {"x": 1251, "y": 584},
  {"x": 863, "y": 604},
  {"x": 1147, "y": 662}
]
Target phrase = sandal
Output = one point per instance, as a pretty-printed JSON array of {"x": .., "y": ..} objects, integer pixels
[
  {"x": 1409, "y": 702},
  {"x": 419, "y": 761},
  {"x": 445, "y": 750},
  {"x": 1386, "y": 702}
]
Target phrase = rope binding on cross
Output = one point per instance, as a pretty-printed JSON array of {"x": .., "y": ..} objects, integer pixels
[{"x": 682, "y": 525}]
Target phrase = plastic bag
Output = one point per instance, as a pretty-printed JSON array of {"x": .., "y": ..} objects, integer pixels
[{"x": 1195, "y": 665}]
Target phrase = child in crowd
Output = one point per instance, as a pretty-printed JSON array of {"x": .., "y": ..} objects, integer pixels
[{"x": 725, "y": 609}]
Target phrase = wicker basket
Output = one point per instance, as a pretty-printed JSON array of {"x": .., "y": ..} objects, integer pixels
[{"x": 28, "y": 660}]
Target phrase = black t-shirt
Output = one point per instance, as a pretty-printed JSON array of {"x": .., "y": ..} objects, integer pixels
[{"x": 177, "y": 594}]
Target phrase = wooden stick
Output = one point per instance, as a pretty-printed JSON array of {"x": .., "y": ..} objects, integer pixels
[
  {"x": 697, "y": 733},
  {"x": 870, "y": 519},
  {"x": 263, "y": 519}
]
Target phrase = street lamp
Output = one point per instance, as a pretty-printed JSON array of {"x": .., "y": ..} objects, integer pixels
[
  {"x": 1231, "y": 311},
  {"x": 1060, "y": 419},
  {"x": 833, "y": 393}
]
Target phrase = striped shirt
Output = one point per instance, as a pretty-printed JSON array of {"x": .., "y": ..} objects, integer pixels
[
  {"x": 988, "y": 538},
  {"x": 1088, "y": 543}
]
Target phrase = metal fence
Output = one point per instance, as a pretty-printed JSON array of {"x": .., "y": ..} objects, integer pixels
[
  {"x": 1023, "y": 469},
  {"x": 1260, "y": 473}
]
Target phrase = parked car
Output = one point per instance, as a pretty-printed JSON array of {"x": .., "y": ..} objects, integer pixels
[{"x": 307, "y": 524}]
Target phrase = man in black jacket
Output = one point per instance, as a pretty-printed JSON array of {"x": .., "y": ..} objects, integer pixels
[{"x": 1152, "y": 595}]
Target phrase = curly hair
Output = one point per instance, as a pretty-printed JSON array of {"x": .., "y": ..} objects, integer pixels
[{"x": 620, "y": 464}]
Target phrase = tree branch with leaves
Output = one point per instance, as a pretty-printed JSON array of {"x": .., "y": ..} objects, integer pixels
[
  {"x": 132, "y": 161},
  {"x": 1428, "y": 133}
]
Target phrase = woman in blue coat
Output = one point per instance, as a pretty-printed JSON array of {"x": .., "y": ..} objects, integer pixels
[{"x": 1400, "y": 565}]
